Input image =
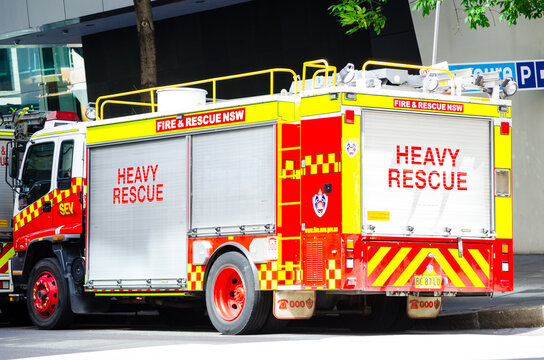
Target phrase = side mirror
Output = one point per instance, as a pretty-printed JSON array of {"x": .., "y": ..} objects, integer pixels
[{"x": 13, "y": 162}]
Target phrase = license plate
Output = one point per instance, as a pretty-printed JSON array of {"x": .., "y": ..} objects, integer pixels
[{"x": 428, "y": 281}]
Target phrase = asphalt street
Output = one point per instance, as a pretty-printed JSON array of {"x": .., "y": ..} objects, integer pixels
[
  {"x": 505, "y": 326},
  {"x": 140, "y": 343},
  {"x": 524, "y": 307}
]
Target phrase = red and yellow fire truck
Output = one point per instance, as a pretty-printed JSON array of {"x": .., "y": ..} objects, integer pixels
[{"x": 358, "y": 189}]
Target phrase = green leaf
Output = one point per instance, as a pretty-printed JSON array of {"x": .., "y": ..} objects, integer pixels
[
  {"x": 364, "y": 14},
  {"x": 359, "y": 14}
]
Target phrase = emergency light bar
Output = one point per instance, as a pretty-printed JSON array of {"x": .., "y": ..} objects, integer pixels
[{"x": 62, "y": 115}]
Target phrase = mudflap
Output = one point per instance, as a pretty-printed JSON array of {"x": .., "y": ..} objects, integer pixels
[
  {"x": 423, "y": 307},
  {"x": 294, "y": 304},
  {"x": 84, "y": 303}
]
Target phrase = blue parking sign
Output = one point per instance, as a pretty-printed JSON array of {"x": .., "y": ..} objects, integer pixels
[
  {"x": 539, "y": 65},
  {"x": 526, "y": 74}
]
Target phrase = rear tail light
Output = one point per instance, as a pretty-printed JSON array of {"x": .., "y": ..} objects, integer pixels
[
  {"x": 349, "y": 254},
  {"x": 504, "y": 258},
  {"x": 502, "y": 182}
]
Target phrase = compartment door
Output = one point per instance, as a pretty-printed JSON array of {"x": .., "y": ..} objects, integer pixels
[
  {"x": 137, "y": 231},
  {"x": 426, "y": 174}
]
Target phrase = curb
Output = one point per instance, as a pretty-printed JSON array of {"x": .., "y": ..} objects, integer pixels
[{"x": 526, "y": 317}]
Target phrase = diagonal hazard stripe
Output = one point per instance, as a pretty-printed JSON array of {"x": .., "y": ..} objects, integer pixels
[
  {"x": 397, "y": 266},
  {"x": 4, "y": 259},
  {"x": 480, "y": 260},
  {"x": 377, "y": 258},
  {"x": 467, "y": 269},
  {"x": 446, "y": 267},
  {"x": 411, "y": 269},
  {"x": 393, "y": 264}
]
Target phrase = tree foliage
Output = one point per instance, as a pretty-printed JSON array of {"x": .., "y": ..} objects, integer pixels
[
  {"x": 362, "y": 14},
  {"x": 359, "y": 14}
]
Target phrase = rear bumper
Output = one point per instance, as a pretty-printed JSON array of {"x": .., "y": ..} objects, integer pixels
[{"x": 429, "y": 265}]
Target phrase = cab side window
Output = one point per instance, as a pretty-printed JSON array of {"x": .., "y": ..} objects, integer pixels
[
  {"x": 36, "y": 177},
  {"x": 65, "y": 160}
]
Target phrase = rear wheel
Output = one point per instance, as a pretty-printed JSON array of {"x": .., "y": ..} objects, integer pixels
[
  {"x": 233, "y": 304},
  {"x": 48, "y": 300}
]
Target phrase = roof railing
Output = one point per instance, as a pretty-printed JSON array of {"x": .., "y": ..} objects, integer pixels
[
  {"x": 323, "y": 66},
  {"x": 102, "y": 101}
]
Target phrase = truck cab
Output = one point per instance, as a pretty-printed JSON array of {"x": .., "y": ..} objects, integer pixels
[
  {"x": 48, "y": 222},
  {"x": 50, "y": 185}
]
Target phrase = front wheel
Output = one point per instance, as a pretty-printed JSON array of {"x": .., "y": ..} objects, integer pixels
[
  {"x": 48, "y": 300},
  {"x": 233, "y": 304}
]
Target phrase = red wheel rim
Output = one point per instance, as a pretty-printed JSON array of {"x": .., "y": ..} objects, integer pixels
[
  {"x": 229, "y": 294},
  {"x": 45, "y": 294}
]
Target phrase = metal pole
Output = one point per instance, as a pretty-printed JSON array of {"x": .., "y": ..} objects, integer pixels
[{"x": 436, "y": 24}]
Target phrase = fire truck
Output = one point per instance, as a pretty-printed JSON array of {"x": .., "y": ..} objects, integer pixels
[
  {"x": 376, "y": 191},
  {"x": 15, "y": 132}
]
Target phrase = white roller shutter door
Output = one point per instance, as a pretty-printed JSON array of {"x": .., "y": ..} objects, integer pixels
[
  {"x": 425, "y": 172},
  {"x": 138, "y": 212},
  {"x": 233, "y": 179}
]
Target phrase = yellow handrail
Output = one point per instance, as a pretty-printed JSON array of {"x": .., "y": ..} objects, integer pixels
[
  {"x": 107, "y": 99},
  {"x": 332, "y": 68},
  {"x": 383, "y": 63},
  {"x": 318, "y": 64}
]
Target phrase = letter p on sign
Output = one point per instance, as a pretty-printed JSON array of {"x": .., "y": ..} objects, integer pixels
[{"x": 526, "y": 74}]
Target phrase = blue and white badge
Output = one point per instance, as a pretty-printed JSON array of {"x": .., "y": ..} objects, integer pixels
[
  {"x": 351, "y": 148},
  {"x": 430, "y": 269},
  {"x": 320, "y": 202}
]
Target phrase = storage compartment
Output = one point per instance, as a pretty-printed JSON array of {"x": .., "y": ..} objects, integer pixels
[
  {"x": 138, "y": 214},
  {"x": 233, "y": 181},
  {"x": 426, "y": 174}
]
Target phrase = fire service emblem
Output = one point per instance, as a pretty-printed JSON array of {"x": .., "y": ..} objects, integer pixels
[
  {"x": 351, "y": 148},
  {"x": 320, "y": 202}
]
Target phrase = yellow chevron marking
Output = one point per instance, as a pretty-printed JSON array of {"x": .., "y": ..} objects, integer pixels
[
  {"x": 376, "y": 259},
  {"x": 446, "y": 267},
  {"x": 7, "y": 256},
  {"x": 392, "y": 266},
  {"x": 410, "y": 270},
  {"x": 469, "y": 272},
  {"x": 482, "y": 262}
]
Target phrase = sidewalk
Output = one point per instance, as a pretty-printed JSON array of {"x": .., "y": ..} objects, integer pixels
[{"x": 522, "y": 308}]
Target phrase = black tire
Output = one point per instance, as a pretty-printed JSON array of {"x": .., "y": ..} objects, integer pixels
[
  {"x": 230, "y": 314},
  {"x": 48, "y": 305},
  {"x": 272, "y": 324}
]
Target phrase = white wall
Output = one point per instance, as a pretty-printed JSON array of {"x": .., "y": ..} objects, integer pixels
[{"x": 459, "y": 44}]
